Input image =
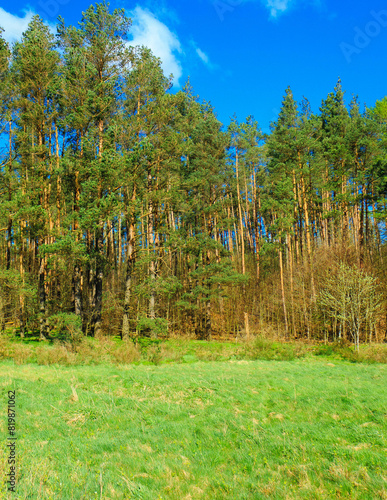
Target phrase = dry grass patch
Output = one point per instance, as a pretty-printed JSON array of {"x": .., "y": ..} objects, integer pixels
[
  {"x": 126, "y": 353},
  {"x": 22, "y": 354},
  {"x": 56, "y": 354}
]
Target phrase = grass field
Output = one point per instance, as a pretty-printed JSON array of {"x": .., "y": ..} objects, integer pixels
[{"x": 311, "y": 428}]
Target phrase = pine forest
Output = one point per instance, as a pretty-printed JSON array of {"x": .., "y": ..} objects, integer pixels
[{"x": 128, "y": 209}]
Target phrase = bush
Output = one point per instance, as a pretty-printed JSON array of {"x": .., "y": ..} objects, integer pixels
[
  {"x": 343, "y": 350},
  {"x": 66, "y": 327},
  {"x": 261, "y": 348},
  {"x": 369, "y": 355},
  {"x": 154, "y": 328},
  {"x": 374, "y": 354},
  {"x": 324, "y": 350}
]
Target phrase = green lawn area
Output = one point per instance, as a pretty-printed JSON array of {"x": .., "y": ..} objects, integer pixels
[{"x": 309, "y": 428}]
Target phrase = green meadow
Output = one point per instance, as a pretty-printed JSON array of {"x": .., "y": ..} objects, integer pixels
[{"x": 308, "y": 428}]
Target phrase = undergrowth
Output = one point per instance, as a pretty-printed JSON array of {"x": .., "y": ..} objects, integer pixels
[{"x": 89, "y": 351}]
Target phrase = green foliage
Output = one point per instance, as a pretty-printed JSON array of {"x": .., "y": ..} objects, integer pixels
[
  {"x": 380, "y": 110},
  {"x": 262, "y": 348},
  {"x": 159, "y": 351},
  {"x": 16, "y": 288},
  {"x": 115, "y": 190},
  {"x": 4, "y": 53},
  {"x": 152, "y": 327},
  {"x": 341, "y": 350},
  {"x": 66, "y": 327}
]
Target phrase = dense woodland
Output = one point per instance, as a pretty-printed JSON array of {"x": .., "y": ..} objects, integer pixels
[{"x": 129, "y": 209}]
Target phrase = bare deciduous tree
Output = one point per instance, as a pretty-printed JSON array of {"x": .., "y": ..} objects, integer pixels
[{"x": 351, "y": 297}]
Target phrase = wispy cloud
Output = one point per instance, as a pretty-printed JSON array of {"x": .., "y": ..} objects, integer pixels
[
  {"x": 147, "y": 30},
  {"x": 203, "y": 56},
  {"x": 278, "y": 7},
  {"x": 275, "y": 7},
  {"x": 14, "y": 26}
]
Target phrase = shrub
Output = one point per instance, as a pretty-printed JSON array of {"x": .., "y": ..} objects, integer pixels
[
  {"x": 324, "y": 350},
  {"x": 369, "y": 354},
  {"x": 261, "y": 348},
  {"x": 343, "y": 350},
  {"x": 154, "y": 355},
  {"x": 152, "y": 327},
  {"x": 66, "y": 327}
]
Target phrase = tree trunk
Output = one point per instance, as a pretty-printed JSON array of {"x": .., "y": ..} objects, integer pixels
[
  {"x": 129, "y": 274},
  {"x": 96, "y": 318},
  {"x": 283, "y": 293},
  {"x": 151, "y": 250},
  {"x": 42, "y": 301},
  {"x": 242, "y": 238},
  {"x": 96, "y": 324},
  {"x": 256, "y": 230}
]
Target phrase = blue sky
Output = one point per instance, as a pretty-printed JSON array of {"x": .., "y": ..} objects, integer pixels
[{"x": 242, "y": 54}]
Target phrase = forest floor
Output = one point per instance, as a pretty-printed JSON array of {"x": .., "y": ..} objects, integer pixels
[{"x": 313, "y": 427}]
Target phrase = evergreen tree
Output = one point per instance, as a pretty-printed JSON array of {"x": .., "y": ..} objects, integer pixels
[
  {"x": 334, "y": 127},
  {"x": 35, "y": 65}
]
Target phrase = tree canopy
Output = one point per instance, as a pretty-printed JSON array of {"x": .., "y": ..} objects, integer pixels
[{"x": 131, "y": 208}]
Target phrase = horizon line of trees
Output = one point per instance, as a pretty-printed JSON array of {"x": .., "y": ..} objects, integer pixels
[{"x": 133, "y": 210}]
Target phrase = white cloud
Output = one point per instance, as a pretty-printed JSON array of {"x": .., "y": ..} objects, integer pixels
[
  {"x": 275, "y": 7},
  {"x": 14, "y": 26},
  {"x": 203, "y": 56},
  {"x": 147, "y": 30},
  {"x": 278, "y": 7}
]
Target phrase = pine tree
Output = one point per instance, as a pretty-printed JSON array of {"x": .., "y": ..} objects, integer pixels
[
  {"x": 35, "y": 65},
  {"x": 99, "y": 44},
  {"x": 334, "y": 127}
]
